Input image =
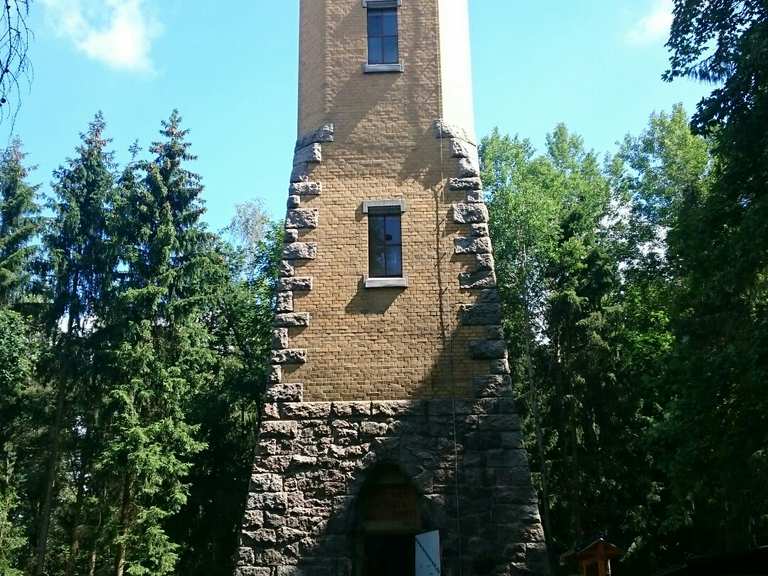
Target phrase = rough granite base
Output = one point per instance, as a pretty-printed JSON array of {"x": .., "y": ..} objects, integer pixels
[{"x": 464, "y": 458}]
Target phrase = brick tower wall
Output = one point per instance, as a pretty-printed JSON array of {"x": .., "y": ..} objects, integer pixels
[
  {"x": 383, "y": 343},
  {"x": 413, "y": 377}
]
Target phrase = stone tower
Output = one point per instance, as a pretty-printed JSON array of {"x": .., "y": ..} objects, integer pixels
[{"x": 388, "y": 413}]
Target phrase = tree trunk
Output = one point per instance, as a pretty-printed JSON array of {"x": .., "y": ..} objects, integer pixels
[
  {"x": 92, "y": 562},
  {"x": 41, "y": 548},
  {"x": 123, "y": 528},
  {"x": 95, "y": 543},
  {"x": 85, "y": 467},
  {"x": 536, "y": 412}
]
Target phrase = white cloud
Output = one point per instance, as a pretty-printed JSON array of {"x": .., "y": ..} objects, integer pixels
[
  {"x": 654, "y": 26},
  {"x": 118, "y": 33}
]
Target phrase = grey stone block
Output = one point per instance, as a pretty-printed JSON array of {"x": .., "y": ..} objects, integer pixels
[
  {"x": 468, "y": 169},
  {"x": 462, "y": 184},
  {"x": 285, "y": 393},
  {"x": 305, "y": 410},
  {"x": 492, "y": 386},
  {"x": 485, "y": 262},
  {"x": 245, "y": 556},
  {"x": 443, "y": 129},
  {"x": 469, "y": 213},
  {"x": 313, "y": 153},
  {"x": 300, "y": 251},
  {"x": 499, "y": 366},
  {"x": 488, "y": 349},
  {"x": 480, "y": 314},
  {"x": 294, "y": 320},
  {"x": 285, "y": 270},
  {"x": 300, "y": 172},
  {"x": 302, "y": 218},
  {"x": 326, "y": 133},
  {"x": 290, "y": 236},
  {"x": 297, "y": 283},
  {"x": 266, "y": 483},
  {"x": 475, "y": 196},
  {"x": 305, "y": 188},
  {"x": 350, "y": 409},
  {"x": 490, "y": 296},
  {"x": 253, "y": 520},
  {"x": 284, "y": 302},
  {"x": 266, "y": 501},
  {"x": 389, "y": 408},
  {"x": 253, "y": 571},
  {"x": 477, "y": 280},
  {"x": 472, "y": 245},
  {"x": 279, "y": 338},
  {"x": 461, "y": 148},
  {"x": 479, "y": 230},
  {"x": 289, "y": 356},
  {"x": 275, "y": 374},
  {"x": 294, "y": 201},
  {"x": 495, "y": 332}
]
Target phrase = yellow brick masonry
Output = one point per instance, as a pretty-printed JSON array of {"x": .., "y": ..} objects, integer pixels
[{"x": 379, "y": 344}]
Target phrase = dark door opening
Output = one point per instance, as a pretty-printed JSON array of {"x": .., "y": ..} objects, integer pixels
[
  {"x": 390, "y": 555},
  {"x": 390, "y": 517}
]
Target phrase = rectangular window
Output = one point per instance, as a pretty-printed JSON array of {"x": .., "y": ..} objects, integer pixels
[
  {"x": 385, "y": 246},
  {"x": 382, "y": 36}
]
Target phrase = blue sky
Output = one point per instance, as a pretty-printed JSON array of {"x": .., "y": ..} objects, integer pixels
[{"x": 231, "y": 70}]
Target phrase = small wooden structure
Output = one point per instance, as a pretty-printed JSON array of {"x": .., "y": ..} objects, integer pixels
[{"x": 595, "y": 559}]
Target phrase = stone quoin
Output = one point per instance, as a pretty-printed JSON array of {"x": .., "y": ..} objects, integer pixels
[{"x": 388, "y": 410}]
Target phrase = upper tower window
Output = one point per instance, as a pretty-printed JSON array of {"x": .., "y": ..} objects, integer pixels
[{"x": 383, "y": 38}]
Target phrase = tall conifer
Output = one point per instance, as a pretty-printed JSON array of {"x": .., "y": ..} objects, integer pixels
[
  {"x": 162, "y": 355},
  {"x": 82, "y": 261},
  {"x": 19, "y": 222}
]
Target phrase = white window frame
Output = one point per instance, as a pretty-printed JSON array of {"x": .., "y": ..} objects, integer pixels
[
  {"x": 402, "y": 282},
  {"x": 379, "y": 68}
]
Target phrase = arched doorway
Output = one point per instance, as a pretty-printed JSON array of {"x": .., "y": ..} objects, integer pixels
[{"x": 389, "y": 520}]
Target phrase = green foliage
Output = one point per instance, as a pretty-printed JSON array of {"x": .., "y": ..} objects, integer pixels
[
  {"x": 588, "y": 288},
  {"x": 19, "y": 222},
  {"x": 722, "y": 42},
  {"x": 557, "y": 284},
  {"x": 12, "y": 539},
  {"x": 144, "y": 402},
  {"x": 16, "y": 363},
  {"x": 229, "y": 408},
  {"x": 720, "y": 248}
]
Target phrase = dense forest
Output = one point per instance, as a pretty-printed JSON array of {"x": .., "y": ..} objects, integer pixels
[{"x": 133, "y": 339}]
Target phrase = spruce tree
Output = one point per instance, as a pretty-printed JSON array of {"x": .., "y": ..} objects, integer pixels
[
  {"x": 82, "y": 262},
  {"x": 19, "y": 222},
  {"x": 162, "y": 358}
]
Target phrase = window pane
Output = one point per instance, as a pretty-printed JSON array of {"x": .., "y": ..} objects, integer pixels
[
  {"x": 378, "y": 232},
  {"x": 392, "y": 229},
  {"x": 384, "y": 246},
  {"x": 374, "y": 50},
  {"x": 389, "y": 50},
  {"x": 394, "y": 261},
  {"x": 374, "y": 22},
  {"x": 389, "y": 23},
  {"x": 377, "y": 268}
]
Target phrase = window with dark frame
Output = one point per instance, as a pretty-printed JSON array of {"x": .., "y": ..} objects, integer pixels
[
  {"x": 385, "y": 246},
  {"x": 382, "y": 36}
]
